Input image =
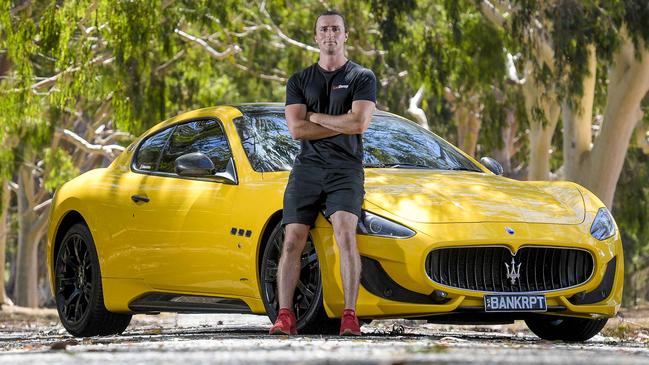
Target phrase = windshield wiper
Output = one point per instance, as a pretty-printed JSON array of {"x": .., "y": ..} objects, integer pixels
[
  {"x": 462, "y": 169},
  {"x": 397, "y": 166}
]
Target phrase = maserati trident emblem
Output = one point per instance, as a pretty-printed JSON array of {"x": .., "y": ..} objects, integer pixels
[{"x": 514, "y": 272}]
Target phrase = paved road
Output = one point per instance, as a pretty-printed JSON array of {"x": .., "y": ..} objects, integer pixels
[{"x": 236, "y": 339}]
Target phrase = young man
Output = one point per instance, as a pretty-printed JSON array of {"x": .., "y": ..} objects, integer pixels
[{"x": 328, "y": 107}]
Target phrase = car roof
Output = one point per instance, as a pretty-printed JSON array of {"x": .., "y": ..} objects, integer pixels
[{"x": 262, "y": 108}]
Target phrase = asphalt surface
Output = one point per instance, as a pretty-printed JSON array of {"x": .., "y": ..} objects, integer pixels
[{"x": 243, "y": 339}]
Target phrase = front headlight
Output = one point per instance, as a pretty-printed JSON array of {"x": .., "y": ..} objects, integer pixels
[
  {"x": 374, "y": 225},
  {"x": 603, "y": 226}
]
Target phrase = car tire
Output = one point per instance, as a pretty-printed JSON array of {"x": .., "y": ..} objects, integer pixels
[
  {"x": 307, "y": 299},
  {"x": 567, "y": 329},
  {"x": 78, "y": 290}
]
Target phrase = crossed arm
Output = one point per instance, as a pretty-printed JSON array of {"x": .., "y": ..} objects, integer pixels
[{"x": 309, "y": 126}]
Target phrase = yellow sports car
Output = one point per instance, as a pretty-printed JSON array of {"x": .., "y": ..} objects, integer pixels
[{"x": 188, "y": 219}]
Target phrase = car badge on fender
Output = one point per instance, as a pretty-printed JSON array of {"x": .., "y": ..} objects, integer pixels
[{"x": 514, "y": 273}]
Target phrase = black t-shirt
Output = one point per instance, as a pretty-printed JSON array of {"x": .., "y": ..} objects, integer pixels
[{"x": 331, "y": 92}]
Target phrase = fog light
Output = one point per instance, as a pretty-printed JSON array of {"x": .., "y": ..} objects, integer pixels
[{"x": 439, "y": 296}]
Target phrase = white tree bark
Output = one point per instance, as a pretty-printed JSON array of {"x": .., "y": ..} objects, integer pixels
[
  {"x": 577, "y": 124},
  {"x": 628, "y": 84},
  {"x": 469, "y": 122},
  {"x": 414, "y": 109},
  {"x": 543, "y": 100},
  {"x": 31, "y": 227}
]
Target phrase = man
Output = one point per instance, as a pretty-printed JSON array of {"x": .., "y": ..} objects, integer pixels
[{"x": 328, "y": 107}]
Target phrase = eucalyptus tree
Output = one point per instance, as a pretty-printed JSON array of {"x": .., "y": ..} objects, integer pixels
[{"x": 586, "y": 64}]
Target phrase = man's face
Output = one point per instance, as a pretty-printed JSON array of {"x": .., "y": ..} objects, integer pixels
[{"x": 330, "y": 34}]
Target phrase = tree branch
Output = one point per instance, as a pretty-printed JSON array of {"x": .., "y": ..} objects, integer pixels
[
  {"x": 260, "y": 75},
  {"x": 51, "y": 80},
  {"x": 512, "y": 73},
  {"x": 233, "y": 49},
  {"x": 283, "y": 36},
  {"x": 79, "y": 142},
  {"x": 42, "y": 205},
  {"x": 414, "y": 109},
  {"x": 492, "y": 14}
]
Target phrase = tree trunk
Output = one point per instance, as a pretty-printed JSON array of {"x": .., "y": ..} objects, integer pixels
[
  {"x": 26, "y": 258},
  {"x": 538, "y": 99},
  {"x": 6, "y": 194},
  {"x": 31, "y": 228},
  {"x": 628, "y": 84},
  {"x": 468, "y": 129},
  {"x": 577, "y": 124},
  {"x": 508, "y": 136},
  {"x": 469, "y": 122}
]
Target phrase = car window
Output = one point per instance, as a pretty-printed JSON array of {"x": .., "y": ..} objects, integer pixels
[
  {"x": 206, "y": 136},
  {"x": 390, "y": 141},
  {"x": 148, "y": 154},
  {"x": 267, "y": 141}
]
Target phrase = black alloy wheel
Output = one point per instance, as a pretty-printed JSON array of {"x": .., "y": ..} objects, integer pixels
[
  {"x": 78, "y": 289},
  {"x": 307, "y": 298},
  {"x": 568, "y": 329},
  {"x": 74, "y": 283}
]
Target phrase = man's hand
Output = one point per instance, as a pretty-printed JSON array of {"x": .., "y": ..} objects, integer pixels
[
  {"x": 301, "y": 127},
  {"x": 355, "y": 121}
]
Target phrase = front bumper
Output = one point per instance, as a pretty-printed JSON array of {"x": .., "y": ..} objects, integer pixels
[{"x": 416, "y": 295}]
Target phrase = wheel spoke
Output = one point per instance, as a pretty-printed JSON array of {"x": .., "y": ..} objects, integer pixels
[
  {"x": 74, "y": 294},
  {"x": 305, "y": 291},
  {"x": 271, "y": 273},
  {"x": 308, "y": 260},
  {"x": 87, "y": 288}
]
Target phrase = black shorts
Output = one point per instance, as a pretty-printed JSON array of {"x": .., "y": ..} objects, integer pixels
[{"x": 311, "y": 187}]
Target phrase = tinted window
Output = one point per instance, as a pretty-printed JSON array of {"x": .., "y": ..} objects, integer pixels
[
  {"x": 390, "y": 140},
  {"x": 206, "y": 136},
  {"x": 149, "y": 153},
  {"x": 267, "y": 141}
]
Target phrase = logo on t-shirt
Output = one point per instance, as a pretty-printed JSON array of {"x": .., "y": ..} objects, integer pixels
[{"x": 336, "y": 87}]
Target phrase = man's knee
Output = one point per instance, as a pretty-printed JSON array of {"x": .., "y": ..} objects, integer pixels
[
  {"x": 295, "y": 238},
  {"x": 344, "y": 224}
]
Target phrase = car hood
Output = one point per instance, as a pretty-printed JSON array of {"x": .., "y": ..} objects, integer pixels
[{"x": 426, "y": 196}]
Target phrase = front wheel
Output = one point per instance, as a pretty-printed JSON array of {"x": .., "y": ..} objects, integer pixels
[
  {"x": 78, "y": 291},
  {"x": 567, "y": 329},
  {"x": 307, "y": 298}
]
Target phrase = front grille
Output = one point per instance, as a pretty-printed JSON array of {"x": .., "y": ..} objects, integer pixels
[{"x": 484, "y": 269}]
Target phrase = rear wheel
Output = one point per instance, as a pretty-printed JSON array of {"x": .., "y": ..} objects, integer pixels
[
  {"x": 567, "y": 329},
  {"x": 307, "y": 299},
  {"x": 78, "y": 291}
]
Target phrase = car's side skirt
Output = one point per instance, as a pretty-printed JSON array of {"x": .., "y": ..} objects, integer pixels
[{"x": 182, "y": 303}]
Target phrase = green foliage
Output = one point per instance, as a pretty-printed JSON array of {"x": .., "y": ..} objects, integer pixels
[
  {"x": 631, "y": 211},
  {"x": 60, "y": 168}
]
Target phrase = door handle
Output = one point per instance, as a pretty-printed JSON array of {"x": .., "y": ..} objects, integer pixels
[{"x": 140, "y": 198}]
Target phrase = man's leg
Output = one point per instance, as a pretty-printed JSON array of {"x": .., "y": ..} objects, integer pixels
[
  {"x": 288, "y": 271},
  {"x": 344, "y": 224}
]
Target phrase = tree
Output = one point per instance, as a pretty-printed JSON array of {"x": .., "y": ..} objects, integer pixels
[{"x": 564, "y": 41}]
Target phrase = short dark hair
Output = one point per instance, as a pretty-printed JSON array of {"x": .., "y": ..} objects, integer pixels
[{"x": 329, "y": 12}]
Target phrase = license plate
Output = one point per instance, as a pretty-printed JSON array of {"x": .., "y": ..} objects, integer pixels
[{"x": 515, "y": 303}]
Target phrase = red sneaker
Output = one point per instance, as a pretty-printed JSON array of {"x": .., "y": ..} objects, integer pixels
[
  {"x": 285, "y": 323},
  {"x": 349, "y": 325}
]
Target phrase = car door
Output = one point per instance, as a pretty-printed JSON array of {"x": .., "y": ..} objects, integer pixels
[{"x": 182, "y": 225}]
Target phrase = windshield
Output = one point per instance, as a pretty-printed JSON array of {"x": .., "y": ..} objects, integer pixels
[{"x": 390, "y": 141}]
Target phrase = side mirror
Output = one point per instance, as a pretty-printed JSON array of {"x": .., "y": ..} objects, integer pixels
[
  {"x": 194, "y": 164},
  {"x": 493, "y": 165}
]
